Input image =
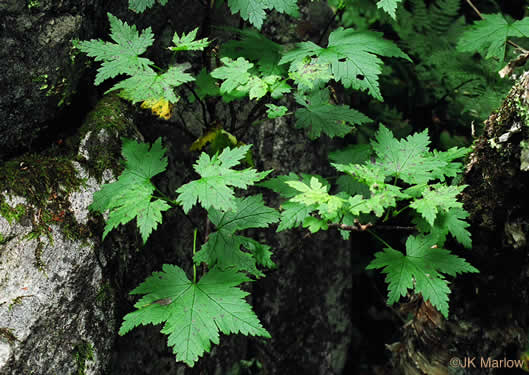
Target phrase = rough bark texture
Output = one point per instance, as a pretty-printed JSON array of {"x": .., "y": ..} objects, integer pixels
[{"x": 489, "y": 312}]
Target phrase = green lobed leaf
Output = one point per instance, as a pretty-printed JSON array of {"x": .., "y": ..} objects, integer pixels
[
  {"x": 205, "y": 86},
  {"x": 256, "y": 87},
  {"x": 407, "y": 159},
  {"x": 314, "y": 224},
  {"x": 234, "y": 73},
  {"x": 254, "y": 46},
  {"x": 187, "y": 42},
  {"x": 279, "y": 185},
  {"x": 453, "y": 222},
  {"x": 389, "y": 6},
  {"x": 437, "y": 199},
  {"x": 148, "y": 84},
  {"x": 121, "y": 57},
  {"x": 352, "y": 56},
  {"x": 359, "y": 50},
  {"x": 215, "y": 187},
  {"x": 194, "y": 313},
  {"x": 293, "y": 214},
  {"x": 131, "y": 196},
  {"x": 224, "y": 249},
  {"x": 450, "y": 168},
  {"x": 490, "y": 35},
  {"x": 223, "y": 246},
  {"x": 352, "y": 154},
  {"x": 314, "y": 195},
  {"x": 301, "y": 52},
  {"x": 351, "y": 186},
  {"x": 279, "y": 89},
  {"x": 139, "y": 6},
  {"x": 239, "y": 81},
  {"x": 420, "y": 269},
  {"x": 254, "y": 10},
  {"x": 320, "y": 116},
  {"x": 250, "y": 212},
  {"x": 310, "y": 75},
  {"x": 275, "y": 111},
  {"x": 261, "y": 252}
]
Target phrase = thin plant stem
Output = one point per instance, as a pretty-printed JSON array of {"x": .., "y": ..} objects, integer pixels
[
  {"x": 475, "y": 9},
  {"x": 378, "y": 238},
  {"x": 194, "y": 250}
]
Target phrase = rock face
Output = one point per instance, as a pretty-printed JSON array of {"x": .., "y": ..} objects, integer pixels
[
  {"x": 37, "y": 63},
  {"x": 41, "y": 72},
  {"x": 57, "y": 308},
  {"x": 306, "y": 302},
  {"x": 55, "y": 313},
  {"x": 57, "y": 316}
]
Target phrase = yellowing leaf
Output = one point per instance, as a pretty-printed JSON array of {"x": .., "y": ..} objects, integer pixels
[
  {"x": 525, "y": 358},
  {"x": 212, "y": 136},
  {"x": 159, "y": 107}
]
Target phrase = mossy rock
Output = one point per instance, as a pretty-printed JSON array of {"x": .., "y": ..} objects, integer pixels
[
  {"x": 110, "y": 119},
  {"x": 45, "y": 181}
]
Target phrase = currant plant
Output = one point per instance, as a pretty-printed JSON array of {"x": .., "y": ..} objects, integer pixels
[
  {"x": 379, "y": 180},
  {"x": 404, "y": 175},
  {"x": 193, "y": 311}
]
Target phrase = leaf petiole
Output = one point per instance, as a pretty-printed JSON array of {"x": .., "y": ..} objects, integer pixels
[
  {"x": 378, "y": 238},
  {"x": 194, "y": 250}
]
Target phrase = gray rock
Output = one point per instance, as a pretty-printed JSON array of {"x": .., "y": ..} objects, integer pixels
[
  {"x": 57, "y": 308},
  {"x": 54, "y": 312},
  {"x": 39, "y": 71}
]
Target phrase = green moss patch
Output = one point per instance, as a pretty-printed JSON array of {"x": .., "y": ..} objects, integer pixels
[
  {"x": 41, "y": 180},
  {"x": 113, "y": 115},
  {"x": 83, "y": 352},
  {"x": 7, "y": 334},
  {"x": 45, "y": 183}
]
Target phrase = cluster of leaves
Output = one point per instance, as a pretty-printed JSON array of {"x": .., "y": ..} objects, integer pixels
[
  {"x": 252, "y": 11},
  {"x": 123, "y": 57},
  {"x": 193, "y": 312},
  {"x": 255, "y": 66},
  {"x": 456, "y": 63},
  {"x": 387, "y": 177},
  {"x": 454, "y": 79},
  {"x": 378, "y": 181}
]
